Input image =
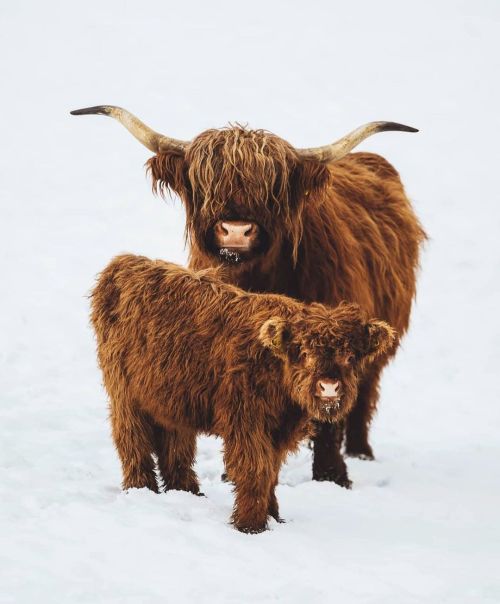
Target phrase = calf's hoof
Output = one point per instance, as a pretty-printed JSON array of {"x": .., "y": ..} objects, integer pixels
[
  {"x": 139, "y": 483},
  {"x": 251, "y": 530},
  {"x": 274, "y": 514},
  {"x": 224, "y": 477}
]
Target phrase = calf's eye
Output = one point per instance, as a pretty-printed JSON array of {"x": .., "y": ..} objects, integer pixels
[{"x": 295, "y": 353}]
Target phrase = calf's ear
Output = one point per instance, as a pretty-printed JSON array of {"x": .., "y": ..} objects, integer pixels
[
  {"x": 275, "y": 334},
  {"x": 380, "y": 336}
]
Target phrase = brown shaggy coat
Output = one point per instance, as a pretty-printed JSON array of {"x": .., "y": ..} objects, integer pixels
[
  {"x": 344, "y": 231},
  {"x": 183, "y": 353}
]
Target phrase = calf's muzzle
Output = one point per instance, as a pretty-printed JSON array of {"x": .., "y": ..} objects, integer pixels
[{"x": 328, "y": 389}]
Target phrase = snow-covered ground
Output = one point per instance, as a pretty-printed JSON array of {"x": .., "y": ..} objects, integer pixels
[{"x": 421, "y": 523}]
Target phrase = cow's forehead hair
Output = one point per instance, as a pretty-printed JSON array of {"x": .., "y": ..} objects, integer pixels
[{"x": 254, "y": 163}]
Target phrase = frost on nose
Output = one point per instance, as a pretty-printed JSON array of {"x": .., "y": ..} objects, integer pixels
[{"x": 327, "y": 389}]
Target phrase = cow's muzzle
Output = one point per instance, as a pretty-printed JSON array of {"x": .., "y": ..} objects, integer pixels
[{"x": 236, "y": 235}]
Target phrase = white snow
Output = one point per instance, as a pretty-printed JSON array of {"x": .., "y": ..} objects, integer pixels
[{"x": 421, "y": 523}]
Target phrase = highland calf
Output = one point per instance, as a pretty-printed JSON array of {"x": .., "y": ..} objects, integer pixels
[
  {"x": 319, "y": 224},
  {"x": 184, "y": 353}
]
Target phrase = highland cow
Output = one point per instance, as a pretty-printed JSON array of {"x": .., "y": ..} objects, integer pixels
[
  {"x": 315, "y": 224},
  {"x": 184, "y": 353}
]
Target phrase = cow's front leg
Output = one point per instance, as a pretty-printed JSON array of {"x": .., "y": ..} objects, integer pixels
[
  {"x": 328, "y": 463},
  {"x": 359, "y": 419}
]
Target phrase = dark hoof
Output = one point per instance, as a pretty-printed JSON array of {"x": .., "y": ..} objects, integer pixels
[
  {"x": 224, "y": 477},
  {"x": 342, "y": 480},
  {"x": 364, "y": 456},
  {"x": 140, "y": 485},
  {"x": 365, "y": 453},
  {"x": 276, "y": 516},
  {"x": 251, "y": 531}
]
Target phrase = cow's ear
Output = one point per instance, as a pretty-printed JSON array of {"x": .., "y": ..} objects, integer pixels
[
  {"x": 168, "y": 173},
  {"x": 276, "y": 335},
  {"x": 379, "y": 337},
  {"x": 309, "y": 177}
]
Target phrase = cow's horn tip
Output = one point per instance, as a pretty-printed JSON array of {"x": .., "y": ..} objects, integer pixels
[{"x": 102, "y": 109}]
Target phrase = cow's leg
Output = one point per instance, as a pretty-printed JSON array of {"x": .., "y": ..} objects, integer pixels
[
  {"x": 358, "y": 422},
  {"x": 176, "y": 451},
  {"x": 250, "y": 467},
  {"x": 133, "y": 436},
  {"x": 328, "y": 463}
]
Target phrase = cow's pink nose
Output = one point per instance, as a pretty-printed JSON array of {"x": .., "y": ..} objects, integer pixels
[
  {"x": 236, "y": 234},
  {"x": 328, "y": 389}
]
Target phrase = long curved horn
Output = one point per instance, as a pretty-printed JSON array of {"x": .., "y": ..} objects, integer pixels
[
  {"x": 337, "y": 150},
  {"x": 144, "y": 134}
]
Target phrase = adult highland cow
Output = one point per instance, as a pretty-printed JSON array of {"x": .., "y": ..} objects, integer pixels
[{"x": 316, "y": 224}]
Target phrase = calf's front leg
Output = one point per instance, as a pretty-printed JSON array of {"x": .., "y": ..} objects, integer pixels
[{"x": 249, "y": 466}]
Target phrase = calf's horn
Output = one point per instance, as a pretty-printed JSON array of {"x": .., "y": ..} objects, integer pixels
[
  {"x": 337, "y": 150},
  {"x": 144, "y": 134}
]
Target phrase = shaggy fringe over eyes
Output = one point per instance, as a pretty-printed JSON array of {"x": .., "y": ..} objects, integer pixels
[{"x": 252, "y": 165}]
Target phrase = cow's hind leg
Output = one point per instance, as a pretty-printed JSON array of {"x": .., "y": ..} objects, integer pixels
[
  {"x": 328, "y": 463},
  {"x": 176, "y": 450},
  {"x": 133, "y": 436},
  {"x": 358, "y": 422}
]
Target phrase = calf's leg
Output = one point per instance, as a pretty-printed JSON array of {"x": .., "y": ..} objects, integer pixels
[
  {"x": 133, "y": 437},
  {"x": 250, "y": 467},
  {"x": 176, "y": 451},
  {"x": 273, "y": 507}
]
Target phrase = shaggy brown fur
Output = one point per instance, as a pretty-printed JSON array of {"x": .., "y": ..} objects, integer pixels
[
  {"x": 183, "y": 353},
  {"x": 344, "y": 231}
]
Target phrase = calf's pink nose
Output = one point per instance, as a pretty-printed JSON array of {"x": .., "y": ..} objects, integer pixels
[
  {"x": 236, "y": 234},
  {"x": 327, "y": 388}
]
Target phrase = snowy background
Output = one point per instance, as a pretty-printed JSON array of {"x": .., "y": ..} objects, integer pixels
[{"x": 421, "y": 523}]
